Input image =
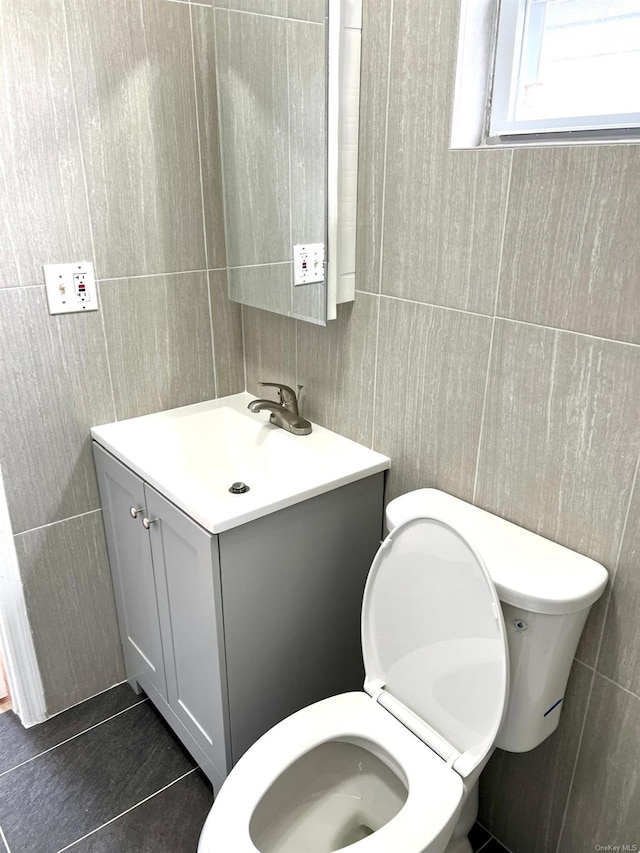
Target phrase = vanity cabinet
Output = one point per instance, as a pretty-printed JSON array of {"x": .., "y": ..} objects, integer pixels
[
  {"x": 165, "y": 577},
  {"x": 229, "y": 633}
]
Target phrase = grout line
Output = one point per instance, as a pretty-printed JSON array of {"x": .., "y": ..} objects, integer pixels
[
  {"x": 616, "y": 565},
  {"x": 292, "y": 296},
  {"x": 382, "y": 217},
  {"x": 597, "y": 659},
  {"x": 484, "y": 411},
  {"x": 385, "y": 151},
  {"x": 575, "y": 762},
  {"x": 61, "y": 521},
  {"x": 374, "y": 390},
  {"x": 277, "y": 17},
  {"x": 204, "y": 214},
  {"x": 88, "y": 203},
  {"x": 493, "y": 332},
  {"x": 255, "y": 266},
  {"x": 79, "y": 136},
  {"x": 244, "y": 348},
  {"x": 153, "y": 275},
  {"x": 9, "y": 288},
  {"x": 196, "y": 104},
  {"x": 615, "y": 683},
  {"x": 504, "y": 231},
  {"x": 4, "y": 840},
  {"x": 569, "y": 332},
  {"x": 73, "y": 737},
  {"x": 433, "y": 305},
  {"x": 126, "y": 811},
  {"x": 106, "y": 353}
]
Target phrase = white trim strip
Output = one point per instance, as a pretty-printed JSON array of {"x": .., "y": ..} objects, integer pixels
[{"x": 16, "y": 640}]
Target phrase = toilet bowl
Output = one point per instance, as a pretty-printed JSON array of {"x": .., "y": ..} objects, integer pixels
[{"x": 395, "y": 768}]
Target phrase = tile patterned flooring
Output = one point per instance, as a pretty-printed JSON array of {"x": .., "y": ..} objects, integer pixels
[{"x": 108, "y": 776}]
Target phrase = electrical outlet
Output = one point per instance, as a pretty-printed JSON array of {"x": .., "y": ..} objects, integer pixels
[
  {"x": 308, "y": 263},
  {"x": 70, "y": 287}
]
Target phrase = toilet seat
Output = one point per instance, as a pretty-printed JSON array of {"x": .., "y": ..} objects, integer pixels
[{"x": 435, "y": 790}]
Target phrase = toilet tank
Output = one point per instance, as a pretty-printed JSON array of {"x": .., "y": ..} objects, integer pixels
[{"x": 546, "y": 591}]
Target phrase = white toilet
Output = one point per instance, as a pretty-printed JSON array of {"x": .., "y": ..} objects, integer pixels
[{"x": 469, "y": 628}]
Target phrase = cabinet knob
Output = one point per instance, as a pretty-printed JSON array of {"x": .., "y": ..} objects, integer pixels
[
  {"x": 133, "y": 512},
  {"x": 147, "y": 522}
]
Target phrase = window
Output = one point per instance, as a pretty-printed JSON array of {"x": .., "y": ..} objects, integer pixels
[{"x": 566, "y": 67}]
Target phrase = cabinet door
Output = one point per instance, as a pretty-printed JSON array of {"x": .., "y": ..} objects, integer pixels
[
  {"x": 185, "y": 558},
  {"x": 122, "y": 492}
]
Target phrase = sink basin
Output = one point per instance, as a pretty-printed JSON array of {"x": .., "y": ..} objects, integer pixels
[{"x": 195, "y": 453}]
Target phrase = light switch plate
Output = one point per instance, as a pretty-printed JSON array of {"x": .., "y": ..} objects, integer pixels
[
  {"x": 70, "y": 287},
  {"x": 308, "y": 263}
]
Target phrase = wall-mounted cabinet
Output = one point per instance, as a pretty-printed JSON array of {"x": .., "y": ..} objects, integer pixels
[{"x": 288, "y": 76}]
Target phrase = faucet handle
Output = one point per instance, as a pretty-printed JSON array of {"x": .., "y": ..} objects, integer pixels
[{"x": 286, "y": 395}]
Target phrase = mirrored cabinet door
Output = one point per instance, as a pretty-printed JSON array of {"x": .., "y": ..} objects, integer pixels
[{"x": 275, "y": 103}]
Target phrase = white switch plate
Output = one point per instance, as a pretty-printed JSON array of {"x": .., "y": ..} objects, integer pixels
[
  {"x": 308, "y": 263},
  {"x": 70, "y": 287}
]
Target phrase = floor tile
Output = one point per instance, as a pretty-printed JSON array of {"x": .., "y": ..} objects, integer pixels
[
  {"x": 478, "y": 836},
  {"x": 48, "y": 803},
  {"x": 170, "y": 822},
  {"x": 18, "y": 744}
]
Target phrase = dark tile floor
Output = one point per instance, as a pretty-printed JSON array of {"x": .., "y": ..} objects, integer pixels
[{"x": 108, "y": 777}]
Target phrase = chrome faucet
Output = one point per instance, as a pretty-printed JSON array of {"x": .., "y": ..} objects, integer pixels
[{"x": 285, "y": 412}]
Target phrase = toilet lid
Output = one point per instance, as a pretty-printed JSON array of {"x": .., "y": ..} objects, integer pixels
[{"x": 434, "y": 640}]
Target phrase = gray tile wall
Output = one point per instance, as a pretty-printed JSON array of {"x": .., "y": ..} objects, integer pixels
[
  {"x": 110, "y": 154},
  {"x": 493, "y": 352}
]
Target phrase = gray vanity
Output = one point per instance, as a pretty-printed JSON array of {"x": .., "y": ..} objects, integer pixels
[{"x": 236, "y": 610}]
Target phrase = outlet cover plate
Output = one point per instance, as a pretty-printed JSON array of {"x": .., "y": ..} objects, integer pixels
[
  {"x": 308, "y": 263},
  {"x": 70, "y": 287}
]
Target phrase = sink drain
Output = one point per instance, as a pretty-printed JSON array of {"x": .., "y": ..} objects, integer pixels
[{"x": 238, "y": 488}]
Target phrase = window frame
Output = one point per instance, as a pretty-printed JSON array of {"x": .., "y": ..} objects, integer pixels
[{"x": 507, "y": 59}]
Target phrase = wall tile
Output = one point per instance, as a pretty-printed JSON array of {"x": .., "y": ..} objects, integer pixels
[
  {"x": 523, "y": 795},
  {"x": 159, "y": 342},
  {"x": 307, "y": 95},
  {"x": 335, "y": 365},
  {"x": 54, "y": 386},
  {"x": 69, "y": 597},
  {"x": 204, "y": 54},
  {"x": 270, "y": 350},
  {"x": 432, "y": 365},
  {"x": 571, "y": 251},
  {"x": 560, "y": 440},
  {"x": 226, "y": 320},
  {"x": 308, "y": 10},
  {"x": 374, "y": 77},
  {"x": 255, "y": 136},
  {"x": 44, "y": 205},
  {"x": 133, "y": 74},
  {"x": 263, "y": 7},
  {"x": 620, "y": 656},
  {"x": 603, "y": 807},
  {"x": 444, "y": 211},
  {"x": 266, "y": 286}
]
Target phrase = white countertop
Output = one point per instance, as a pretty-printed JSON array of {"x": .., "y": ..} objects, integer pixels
[{"x": 193, "y": 454}]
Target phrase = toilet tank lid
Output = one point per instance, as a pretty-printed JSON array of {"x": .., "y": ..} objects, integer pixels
[{"x": 529, "y": 571}]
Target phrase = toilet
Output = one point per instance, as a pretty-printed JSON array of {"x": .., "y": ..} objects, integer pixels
[{"x": 469, "y": 627}]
